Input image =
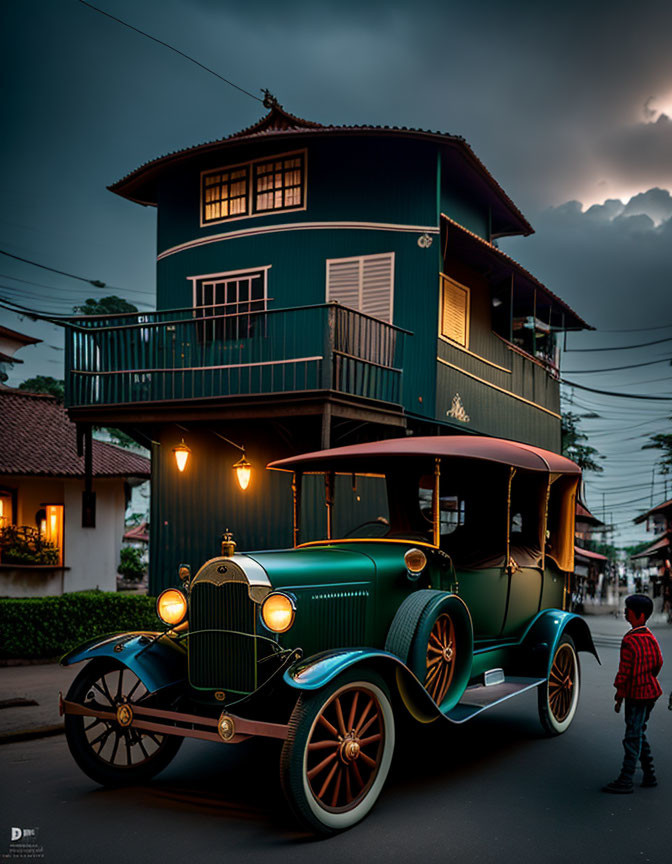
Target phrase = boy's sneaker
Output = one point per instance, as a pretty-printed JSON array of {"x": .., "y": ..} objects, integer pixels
[
  {"x": 620, "y": 786},
  {"x": 649, "y": 781}
]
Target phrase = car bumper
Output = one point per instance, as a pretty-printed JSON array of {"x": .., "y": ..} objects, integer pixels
[{"x": 227, "y": 728}]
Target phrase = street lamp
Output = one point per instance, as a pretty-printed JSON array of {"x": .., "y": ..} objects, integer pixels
[
  {"x": 243, "y": 471},
  {"x": 182, "y": 454}
]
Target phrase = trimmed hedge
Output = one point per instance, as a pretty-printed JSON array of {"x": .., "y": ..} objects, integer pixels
[{"x": 47, "y": 627}]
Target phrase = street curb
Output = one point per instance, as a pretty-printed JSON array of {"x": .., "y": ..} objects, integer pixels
[{"x": 30, "y": 734}]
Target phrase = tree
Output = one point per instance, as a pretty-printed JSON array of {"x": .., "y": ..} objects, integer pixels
[
  {"x": 662, "y": 442},
  {"x": 45, "y": 384},
  {"x": 111, "y": 305},
  {"x": 573, "y": 449},
  {"x": 130, "y": 564}
]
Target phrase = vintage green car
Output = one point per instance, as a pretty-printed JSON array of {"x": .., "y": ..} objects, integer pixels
[{"x": 449, "y": 599}]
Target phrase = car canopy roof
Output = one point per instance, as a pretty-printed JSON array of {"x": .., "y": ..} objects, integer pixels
[{"x": 484, "y": 449}]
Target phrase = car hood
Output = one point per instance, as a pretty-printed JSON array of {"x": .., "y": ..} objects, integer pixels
[{"x": 322, "y": 565}]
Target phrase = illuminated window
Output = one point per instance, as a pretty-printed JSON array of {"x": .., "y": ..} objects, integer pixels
[
  {"x": 253, "y": 188},
  {"x": 454, "y": 311},
  {"x": 225, "y": 194},
  {"x": 53, "y": 527},
  {"x": 278, "y": 184},
  {"x": 5, "y": 508}
]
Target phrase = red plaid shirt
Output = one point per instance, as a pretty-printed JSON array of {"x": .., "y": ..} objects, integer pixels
[{"x": 641, "y": 661}]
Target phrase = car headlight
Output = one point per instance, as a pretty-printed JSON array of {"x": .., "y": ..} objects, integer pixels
[
  {"x": 171, "y": 606},
  {"x": 415, "y": 560},
  {"x": 277, "y": 612}
]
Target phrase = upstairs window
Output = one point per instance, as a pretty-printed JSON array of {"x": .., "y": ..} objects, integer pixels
[
  {"x": 454, "y": 311},
  {"x": 278, "y": 184},
  {"x": 225, "y": 194},
  {"x": 254, "y": 188},
  {"x": 365, "y": 284}
]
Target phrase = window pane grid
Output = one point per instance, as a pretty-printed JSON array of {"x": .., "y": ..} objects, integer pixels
[{"x": 225, "y": 194}]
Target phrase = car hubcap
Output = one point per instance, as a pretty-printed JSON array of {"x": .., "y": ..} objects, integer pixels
[
  {"x": 345, "y": 748},
  {"x": 440, "y": 658},
  {"x": 561, "y": 683}
]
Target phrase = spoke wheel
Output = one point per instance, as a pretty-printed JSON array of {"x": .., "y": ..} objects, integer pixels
[
  {"x": 440, "y": 658},
  {"x": 337, "y": 756},
  {"x": 110, "y": 753},
  {"x": 559, "y": 697}
]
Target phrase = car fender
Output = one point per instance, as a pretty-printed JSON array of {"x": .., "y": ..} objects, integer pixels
[
  {"x": 313, "y": 673},
  {"x": 157, "y": 659},
  {"x": 544, "y": 634}
]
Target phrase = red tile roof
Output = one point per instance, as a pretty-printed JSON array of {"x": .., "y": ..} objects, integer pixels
[
  {"x": 37, "y": 438},
  {"x": 138, "y": 533},
  {"x": 137, "y": 186},
  {"x": 659, "y": 508}
]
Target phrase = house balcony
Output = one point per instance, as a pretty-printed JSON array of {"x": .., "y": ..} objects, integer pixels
[{"x": 191, "y": 362}]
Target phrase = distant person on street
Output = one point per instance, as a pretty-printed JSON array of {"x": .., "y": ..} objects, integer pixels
[{"x": 637, "y": 684}]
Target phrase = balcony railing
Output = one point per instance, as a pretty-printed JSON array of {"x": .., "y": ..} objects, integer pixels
[{"x": 207, "y": 353}]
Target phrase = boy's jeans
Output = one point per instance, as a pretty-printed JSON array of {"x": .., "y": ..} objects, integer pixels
[{"x": 637, "y": 712}]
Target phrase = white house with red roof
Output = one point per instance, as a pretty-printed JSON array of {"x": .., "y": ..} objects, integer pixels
[{"x": 41, "y": 514}]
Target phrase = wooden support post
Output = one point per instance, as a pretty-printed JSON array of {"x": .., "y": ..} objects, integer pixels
[
  {"x": 88, "y": 495},
  {"x": 436, "y": 503},
  {"x": 325, "y": 441},
  {"x": 329, "y": 500},
  {"x": 296, "y": 507}
]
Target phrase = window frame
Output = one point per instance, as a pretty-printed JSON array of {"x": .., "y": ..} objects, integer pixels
[
  {"x": 443, "y": 282},
  {"x": 228, "y": 276},
  {"x": 250, "y": 197}
]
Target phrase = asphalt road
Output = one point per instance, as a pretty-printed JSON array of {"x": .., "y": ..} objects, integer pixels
[{"x": 494, "y": 790}]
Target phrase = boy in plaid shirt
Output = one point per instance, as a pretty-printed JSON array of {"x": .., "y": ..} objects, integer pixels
[{"x": 637, "y": 684}]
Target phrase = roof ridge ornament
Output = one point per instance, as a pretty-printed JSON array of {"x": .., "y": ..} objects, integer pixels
[{"x": 269, "y": 100}]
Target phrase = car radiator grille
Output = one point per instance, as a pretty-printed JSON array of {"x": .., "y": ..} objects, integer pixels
[{"x": 217, "y": 659}]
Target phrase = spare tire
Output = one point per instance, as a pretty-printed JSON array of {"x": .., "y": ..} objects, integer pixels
[{"x": 433, "y": 635}]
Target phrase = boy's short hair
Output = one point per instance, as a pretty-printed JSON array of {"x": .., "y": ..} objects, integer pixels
[{"x": 640, "y": 604}]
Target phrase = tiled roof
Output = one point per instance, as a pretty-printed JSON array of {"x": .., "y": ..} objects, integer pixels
[
  {"x": 37, "y": 438},
  {"x": 659, "y": 508},
  {"x": 278, "y": 123},
  {"x": 138, "y": 533}
]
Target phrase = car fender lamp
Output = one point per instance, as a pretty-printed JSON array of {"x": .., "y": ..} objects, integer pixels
[
  {"x": 243, "y": 470},
  {"x": 182, "y": 454},
  {"x": 277, "y": 612},
  {"x": 415, "y": 561},
  {"x": 171, "y": 606}
]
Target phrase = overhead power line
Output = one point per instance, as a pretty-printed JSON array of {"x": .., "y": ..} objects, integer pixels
[
  {"x": 638, "y": 329},
  {"x": 620, "y": 348},
  {"x": 61, "y": 288},
  {"x": 172, "y": 48},
  {"x": 612, "y": 393},
  {"x": 617, "y": 368},
  {"x": 95, "y": 282}
]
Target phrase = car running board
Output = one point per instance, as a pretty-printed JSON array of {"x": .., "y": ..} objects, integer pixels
[{"x": 481, "y": 697}]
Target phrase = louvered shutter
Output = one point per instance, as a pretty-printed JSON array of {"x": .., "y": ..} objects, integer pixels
[
  {"x": 377, "y": 287},
  {"x": 364, "y": 284},
  {"x": 455, "y": 312}
]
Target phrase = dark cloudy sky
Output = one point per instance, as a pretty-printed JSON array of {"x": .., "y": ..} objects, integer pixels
[{"x": 569, "y": 106}]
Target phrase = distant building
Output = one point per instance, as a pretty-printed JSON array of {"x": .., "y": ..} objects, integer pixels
[
  {"x": 10, "y": 343},
  {"x": 317, "y": 285},
  {"x": 658, "y": 521},
  {"x": 41, "y": 481}
]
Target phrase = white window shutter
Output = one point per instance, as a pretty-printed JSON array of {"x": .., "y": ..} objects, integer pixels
[
  {"x": 365, "y": 284},
  {"x": 377, "y": 287}
]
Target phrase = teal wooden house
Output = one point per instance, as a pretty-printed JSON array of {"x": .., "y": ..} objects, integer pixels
[{"x": 316, "y": 286}]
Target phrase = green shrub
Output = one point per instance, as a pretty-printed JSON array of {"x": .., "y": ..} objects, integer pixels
[
  {"x": 21, "y": 544},
  {"x": 130, "y": 564},
  {"x": 46, "y": 627}
]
